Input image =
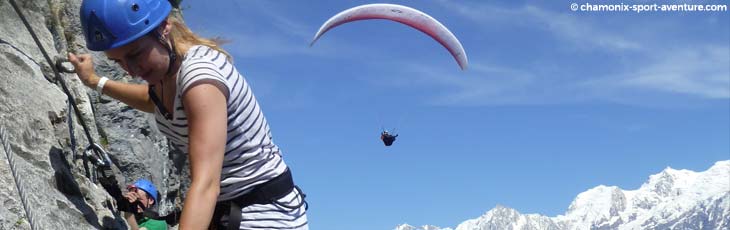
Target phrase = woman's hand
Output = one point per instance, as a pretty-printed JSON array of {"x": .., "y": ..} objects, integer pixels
[{"x": 84, "y": 65}]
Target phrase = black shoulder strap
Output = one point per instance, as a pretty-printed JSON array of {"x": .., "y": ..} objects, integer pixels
[{"x": 158, "y": 103}]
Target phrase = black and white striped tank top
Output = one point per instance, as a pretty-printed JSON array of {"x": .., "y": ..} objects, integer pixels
[{"x": 251, "y": 157}]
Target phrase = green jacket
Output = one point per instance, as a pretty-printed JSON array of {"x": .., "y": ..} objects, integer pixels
[{"x": 152, "y": 224}]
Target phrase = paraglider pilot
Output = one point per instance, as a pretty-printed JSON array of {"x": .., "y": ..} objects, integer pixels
[{"x": 387, "y": 138}]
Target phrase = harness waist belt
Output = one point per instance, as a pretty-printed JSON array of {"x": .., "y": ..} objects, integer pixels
[{"x": 265, "y": 193}]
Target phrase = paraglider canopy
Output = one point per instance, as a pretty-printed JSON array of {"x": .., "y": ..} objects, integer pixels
[{"x": 403, "y": 14}]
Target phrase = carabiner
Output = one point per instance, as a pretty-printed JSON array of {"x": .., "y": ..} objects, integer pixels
[{"x": 64, "y": 66}]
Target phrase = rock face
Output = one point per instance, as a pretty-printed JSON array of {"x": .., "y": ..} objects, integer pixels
[
  {"x": 671, "y": 199},
  {"x": 35, "y": 113}
]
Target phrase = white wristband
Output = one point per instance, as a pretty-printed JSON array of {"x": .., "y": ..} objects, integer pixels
[{"x": 100, "y": 85}]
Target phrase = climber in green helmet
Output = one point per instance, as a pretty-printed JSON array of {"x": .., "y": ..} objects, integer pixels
[{"x": 204, "y": 107}]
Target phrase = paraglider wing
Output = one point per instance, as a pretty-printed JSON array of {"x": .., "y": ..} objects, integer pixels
[{"x": 403, "y": 14}]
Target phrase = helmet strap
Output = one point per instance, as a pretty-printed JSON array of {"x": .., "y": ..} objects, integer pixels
[
  {"x": 172, "y": 59},
  {"x": 170, "y": 52}
]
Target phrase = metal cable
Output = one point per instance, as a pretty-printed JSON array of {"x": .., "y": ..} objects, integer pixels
[
  {"x": 93, "y": 146},
  {"x": 26, "y": 56},
  {"x": 55, "y": 71},
  {"x": 18, "y": 183}
]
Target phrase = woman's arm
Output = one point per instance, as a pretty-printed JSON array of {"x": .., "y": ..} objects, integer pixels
[
  {"x": 134, "y": 95},
  {"x": 205, "y": 106}
]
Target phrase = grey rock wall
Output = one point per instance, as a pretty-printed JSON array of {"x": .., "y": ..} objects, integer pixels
[{"x": 34, "y": 112}]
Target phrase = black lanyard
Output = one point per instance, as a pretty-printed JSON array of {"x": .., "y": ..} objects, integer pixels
[{"x": 158, "y": 103}]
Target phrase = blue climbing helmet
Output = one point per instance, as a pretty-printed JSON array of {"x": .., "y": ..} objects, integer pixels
[
  {"x": 109, "y": 24},
  {"x": 148, "y": 187}
]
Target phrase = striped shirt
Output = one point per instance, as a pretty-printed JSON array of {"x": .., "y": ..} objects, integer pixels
[{"x": 251, "y": 157}]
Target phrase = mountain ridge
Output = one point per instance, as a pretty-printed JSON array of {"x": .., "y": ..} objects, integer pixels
[{"x": 670, "y": 199}]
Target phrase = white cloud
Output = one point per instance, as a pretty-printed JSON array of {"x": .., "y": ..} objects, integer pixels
[
  {"x": 644, "y": 64},
  {"x": 270, "y": 34},
  {"x": 284, "y": 24},
  {"x": 701, "y": 71},
  {"x": 579, "y": 32},
  {"x": 274, "y": 32},
  {"x": 652, "y": 67},
  {"x": 567, "y": 26},
  {"x": 480, "y": 85}
]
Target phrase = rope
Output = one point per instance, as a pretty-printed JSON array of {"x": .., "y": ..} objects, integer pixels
[
  {"x": 400, "y": 121},
  {"x": 55, "y": 67},
  {"x": 55, "y": 71},
  {"x": 18, "y": 182},
  {"x": 70, "y": 122},
  {"x": 100, "y": 159},
  {"x": 26, "y": 56}
]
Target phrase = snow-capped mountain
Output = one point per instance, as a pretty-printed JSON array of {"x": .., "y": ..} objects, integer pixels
[
  {"x": 672, "y": 199},
  {"x": 424, "y": 227}
]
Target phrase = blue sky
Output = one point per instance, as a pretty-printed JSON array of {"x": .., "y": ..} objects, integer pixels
[{"x": 554, "y": 102}]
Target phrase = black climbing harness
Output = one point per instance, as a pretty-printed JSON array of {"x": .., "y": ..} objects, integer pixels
[{"x": 266, "y": 193}]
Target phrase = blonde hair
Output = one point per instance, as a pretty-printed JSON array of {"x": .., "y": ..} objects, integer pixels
[{"x": 181, "y": 34}]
